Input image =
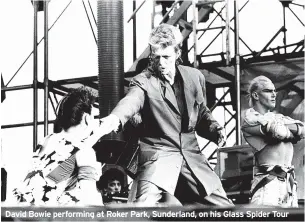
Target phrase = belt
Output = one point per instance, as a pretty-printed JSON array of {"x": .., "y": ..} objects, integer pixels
[{"x": 282, "y": 173}]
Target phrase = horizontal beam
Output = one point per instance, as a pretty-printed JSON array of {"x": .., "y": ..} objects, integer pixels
[
  {"x": 24, "y": 124},
  {"x": 271, "y": 58},
  {"x": 13, "y": 88},
  {"x": 75, "y": 80},
  {"x": 275, "y": 57}
]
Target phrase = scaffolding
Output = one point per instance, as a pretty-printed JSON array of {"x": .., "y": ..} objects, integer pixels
[{"x": 226, "y": 69}]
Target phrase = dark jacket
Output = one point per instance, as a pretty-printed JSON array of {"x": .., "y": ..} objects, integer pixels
[{"x": 163, "y": 145}]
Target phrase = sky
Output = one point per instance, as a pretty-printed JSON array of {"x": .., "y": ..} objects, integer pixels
[{"x": 73, "y": 54}]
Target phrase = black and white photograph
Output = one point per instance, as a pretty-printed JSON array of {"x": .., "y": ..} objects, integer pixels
[{"x": 148, "y": 110}]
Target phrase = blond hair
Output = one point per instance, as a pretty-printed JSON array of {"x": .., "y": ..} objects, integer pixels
[
  {"x": 165, "y": 35},
  {"x": 254, "y": 85}
]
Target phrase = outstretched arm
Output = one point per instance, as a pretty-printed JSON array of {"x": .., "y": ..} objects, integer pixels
[{"x": 130, "y": 105}]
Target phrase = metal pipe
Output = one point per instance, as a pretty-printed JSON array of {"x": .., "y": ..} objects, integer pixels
[
  {"x": 240, "y": 10},
  {"x": 75, "y": 80},
  {"x": 282, "y": 29},
  {"x": 237, "y": 74},
  {"x": 284, "y": 20},
  {"x": 298, "y": 44},
  {"x": 296, "y": 16},
  {"x": 195, "y": 20},
  {"x": 110, "y": 57},
  {"x": 92, "y": 13},
  {"x": 58, "y": 92},
  {"x": 169, "y": 11},
  {"x": 211, "y": 23},
  {"x": 225, "y": 107},
  {"x": 221, "y": 98},
  {"x": 52, "y": 103},
  {"x": 46, "y": 67},
  {"x": 213, "y": 54},
  {"x": 89, "y": 22},
  {"x": 232, "y": 117},
  {"x": 218, "y": 27},
  {"x": 134, "y": 32},
  {"x": 55, "y": 98},
  {"x": 224, "y": 104},
  {"x": 301, "y": 49},
  {"x": 35, "y": 74},
  {"x": 202, "y": 34},
  {"x": 234, "y": 31},
  {"x": 228, "y": 56},
  {"x": 38, "y": 44},
  {"x": 63, "y": 88},
  {"x": 230, "y": 133},
  {"x": 13, "y": 88},
  {"x": 153, "y": 14},
  {"x": 297, "y": 4},
  {"x": 23, "y": 124},
  {"x": 271, "y": 40},
  {"x": 135, "y": 11},
  {"x": 211, "y": 42},
  {"x": 216, "y": 18},
  {"x": 271, "y": 59}
]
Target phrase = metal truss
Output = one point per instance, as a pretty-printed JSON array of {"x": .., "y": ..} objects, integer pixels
[{"x": 178, "y": 10}]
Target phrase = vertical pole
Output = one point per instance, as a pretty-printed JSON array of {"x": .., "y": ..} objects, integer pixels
[
  {"x": 110, "y": 23},
  {"x": 284, "y": 18},
  {"x": 153, "y": 15},
  {"x": 46, "y": 67},
  {"x": 195, "y": 19},
  {"x": 228, "y": 57},
  {"x": 35, "y": 82},
  {"x": 184, "y": 48},
  {"x": 134, "y": 23},
  {"x": 237, "y": 73}
]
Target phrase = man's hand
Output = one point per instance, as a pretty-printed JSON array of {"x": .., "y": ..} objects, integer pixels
[
  {"x": 108, "y": 124},
  {"x": 278, "y": 130},
  {"x": 221, "y": 137}
]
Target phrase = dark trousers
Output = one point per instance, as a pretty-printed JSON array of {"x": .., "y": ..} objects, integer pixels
[{"x": 188, "y": 191}]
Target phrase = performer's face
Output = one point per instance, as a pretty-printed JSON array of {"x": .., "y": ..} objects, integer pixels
[
  {"x": 114, "y": 186},
  {"x": 164, "y": 61},
  {"x": 267, "y": 95}
]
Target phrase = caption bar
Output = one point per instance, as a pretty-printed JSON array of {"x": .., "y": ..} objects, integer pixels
[{"x": 95, "y": 214}]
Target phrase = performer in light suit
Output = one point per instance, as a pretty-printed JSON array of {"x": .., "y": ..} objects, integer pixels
[{"x": 171, "y": 99}]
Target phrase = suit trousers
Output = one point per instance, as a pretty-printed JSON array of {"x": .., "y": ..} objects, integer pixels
[{"x": 188, "y": 191}]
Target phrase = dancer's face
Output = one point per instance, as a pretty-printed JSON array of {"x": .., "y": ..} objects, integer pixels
[{"x": 267, "y": 94}]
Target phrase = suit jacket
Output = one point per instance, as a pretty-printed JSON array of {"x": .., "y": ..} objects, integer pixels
[{"x": 163, "y": 145}]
